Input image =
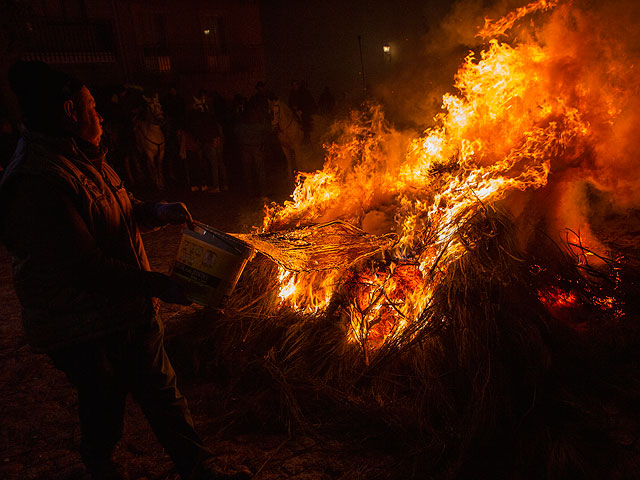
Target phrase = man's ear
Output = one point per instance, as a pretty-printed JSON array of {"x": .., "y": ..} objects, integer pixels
[{"x": 70, "y": 110}]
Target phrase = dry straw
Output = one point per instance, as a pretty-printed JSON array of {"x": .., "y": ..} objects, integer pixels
[{"x": 492, "y": 381}]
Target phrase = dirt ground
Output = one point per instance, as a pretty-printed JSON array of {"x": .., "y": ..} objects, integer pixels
[{"x": 39, "y": 430}]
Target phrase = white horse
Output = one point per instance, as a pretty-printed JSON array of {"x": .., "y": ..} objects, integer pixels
[
  {"x": 290, "y": 134},
  {"x": 150, "y": 139}
]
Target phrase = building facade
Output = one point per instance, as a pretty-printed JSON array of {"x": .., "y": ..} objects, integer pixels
[{"x": 213, "y": 44}]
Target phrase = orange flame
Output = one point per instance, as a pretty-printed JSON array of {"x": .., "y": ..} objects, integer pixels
[
  {"x": 494, "y": 29},
  {"x": 507, "y": 128}
]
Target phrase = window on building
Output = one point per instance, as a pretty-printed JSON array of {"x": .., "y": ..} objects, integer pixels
[
  {"x": 214, "y": 39},
  {"x": 153, "y": 40},
  {"x": 61, "y": 33},
  {"x": 68, "y": 9}
]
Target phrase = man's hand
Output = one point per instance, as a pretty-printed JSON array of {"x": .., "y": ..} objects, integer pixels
[{"x": 172, "y": 213}]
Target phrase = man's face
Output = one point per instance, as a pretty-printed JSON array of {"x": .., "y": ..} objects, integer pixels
[{"x": 89, "y": 121}]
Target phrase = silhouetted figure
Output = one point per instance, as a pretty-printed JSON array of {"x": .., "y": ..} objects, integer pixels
[
  {"x": 117, "y": 135},
  {"x": 252, "y": 132},
  {"x": 83, "y": 278},
  {"x": 238, "y": 105},
  {"x": 302, "y": 103},
  {"x": 232, "y": 143},
  {"x": 174, "y": 109},
  {"x": 220, "y": 107},
  {"x": 202, "y": 146},
  {"x": 126, "y": 104},
  {"x": 326, "y": 102},
  {"x": 260, "y": 101},
  {"x": 148, "y": 128},
  {"x": 224, "y": 116}
]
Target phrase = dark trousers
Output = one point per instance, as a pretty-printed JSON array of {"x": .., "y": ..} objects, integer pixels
[
  {"x": 254, "y": 169},
  {"x": 104, "y": 371}
]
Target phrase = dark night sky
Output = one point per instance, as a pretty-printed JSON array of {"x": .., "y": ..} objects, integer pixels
[{"x": 317, "y": 40}]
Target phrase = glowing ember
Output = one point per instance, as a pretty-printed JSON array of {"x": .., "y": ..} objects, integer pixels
[{"x": 555, "y": 299}]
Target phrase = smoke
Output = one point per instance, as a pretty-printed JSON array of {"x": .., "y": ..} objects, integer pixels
[
  {"x": 608, "y": 43},
  {"x": 541, "y": 118},
  {"x": 593, "y": 63},
  {"x": 412, "y": 92},
  {"x": 587, "y": 73},
  {"x": 594, "y": 53}
]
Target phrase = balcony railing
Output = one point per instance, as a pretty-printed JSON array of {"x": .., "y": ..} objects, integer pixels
[
  {"x": 160, "y": 63},
  {"x": 70, "y": 41},
  {"x": 156, "y": 58},
  {"x": 218, "y": 63}
]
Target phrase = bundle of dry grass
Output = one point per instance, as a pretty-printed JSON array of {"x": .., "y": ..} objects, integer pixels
[
  {"x": 495, "y": 380},
  {"x": 327, "y": 246}
]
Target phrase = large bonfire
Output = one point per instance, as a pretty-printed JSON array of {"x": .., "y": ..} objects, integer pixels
[{"x": 463, "y": 281}]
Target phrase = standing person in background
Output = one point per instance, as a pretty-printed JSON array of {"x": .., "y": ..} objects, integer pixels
[
  {"x": 224, "y": 116},
  {"x": 302, "y": 103},
  {"x": 252, "y": 131},
  {"x": 174, "y": 109},
  {"x": 203, "y": 142},
  {"x": 219, "y": 177},
  {"x": 232, "y": 144},
  {"x": 326, "y": 102},
  {"x": 83, "y": 278},
  {"x": 211, "y": 138},
  {"x": 125, "y": 105},
  {"x": 260, "y": 101}
]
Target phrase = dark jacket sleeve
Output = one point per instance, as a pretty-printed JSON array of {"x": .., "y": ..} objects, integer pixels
[
  {"x": 144, "y": 214},
  {"x": 41, "y": 222}
]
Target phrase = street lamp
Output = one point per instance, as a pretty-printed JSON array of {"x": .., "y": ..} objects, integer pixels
[{"x": 386, "y": 48}]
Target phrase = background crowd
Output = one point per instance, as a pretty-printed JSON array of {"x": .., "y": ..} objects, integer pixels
[{"x": 161, "y": 139}]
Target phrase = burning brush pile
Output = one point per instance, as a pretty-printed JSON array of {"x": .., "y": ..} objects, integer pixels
[{"x": 469, "y": 294}]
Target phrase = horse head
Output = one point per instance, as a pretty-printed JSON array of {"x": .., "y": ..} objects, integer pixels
[
  {"x": 154, "y": 109},
  {"x": 274, "y": 108},
  {"x": 200, "y": 104}
]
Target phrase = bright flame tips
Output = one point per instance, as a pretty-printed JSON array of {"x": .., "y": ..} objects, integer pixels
[
  {"x": 505, "y": 131},
  {"x": 500, "y": 27}
]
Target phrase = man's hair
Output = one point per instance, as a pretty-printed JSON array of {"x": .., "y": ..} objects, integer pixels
[{"x": 42, "y": 92}]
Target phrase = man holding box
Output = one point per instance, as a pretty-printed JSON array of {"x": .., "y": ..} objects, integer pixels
[{"x": 83, "y": 278}]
